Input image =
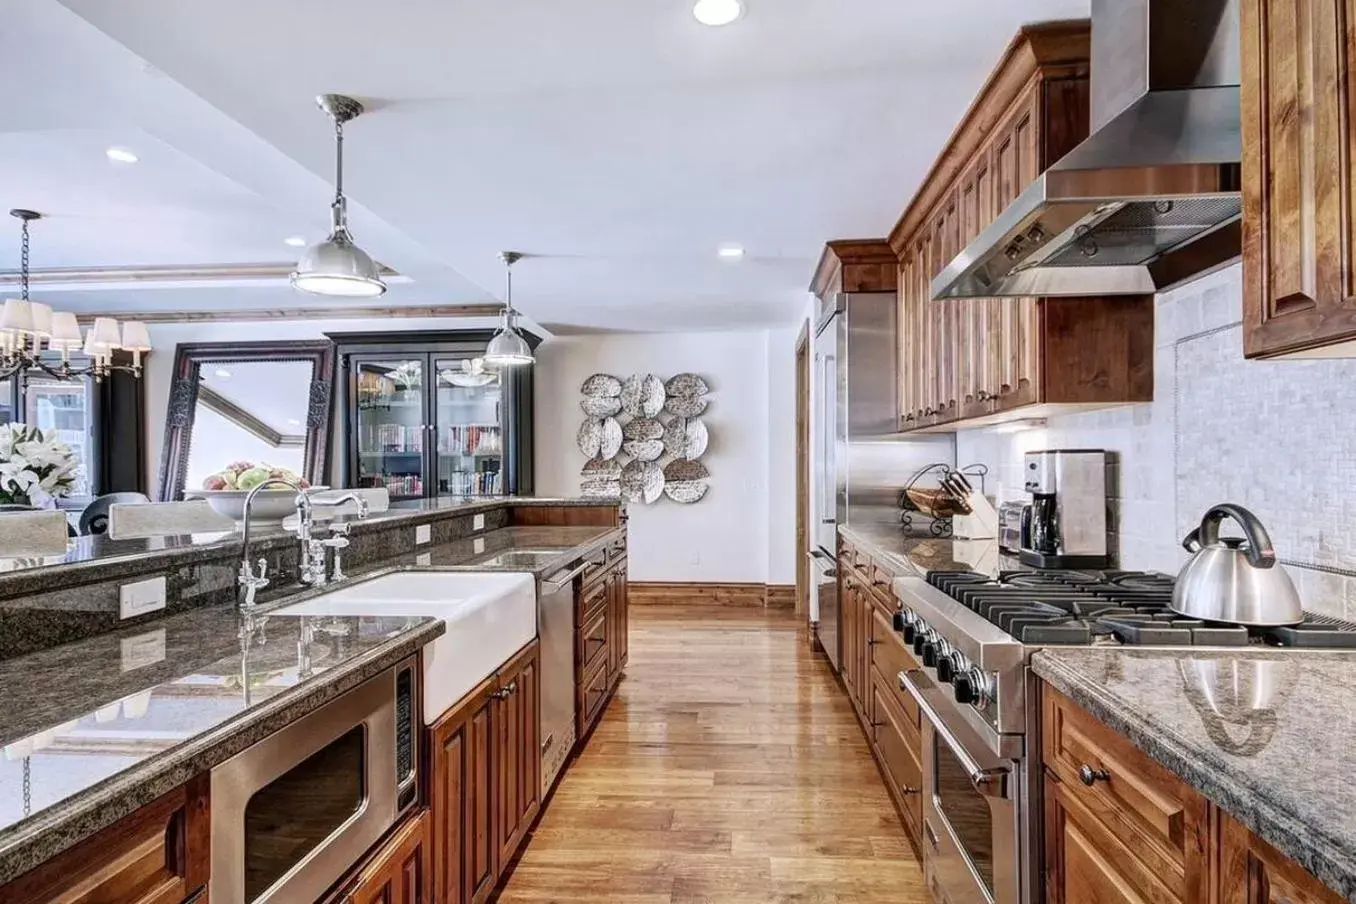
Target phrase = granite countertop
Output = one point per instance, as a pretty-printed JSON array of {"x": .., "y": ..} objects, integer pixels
[
  {"x": 106, "y": 725},
  {"x": 116, "y": 558},
  {"x": 906, "y": 554},
  {"x": 93, "y": 730},
  {"x": 1275, "y": 751}
]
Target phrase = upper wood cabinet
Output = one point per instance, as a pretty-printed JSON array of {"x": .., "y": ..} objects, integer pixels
[
  {"x": 855, "y": 265},
  {"x": 1298, "y": 144},
  {"x": 984, "y": 360}
]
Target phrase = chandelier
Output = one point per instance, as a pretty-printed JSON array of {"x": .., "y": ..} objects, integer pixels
[{"x": 28, "y": 328}]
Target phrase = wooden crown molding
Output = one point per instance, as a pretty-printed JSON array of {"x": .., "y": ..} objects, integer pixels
[
  {"x": 1058, "y": 49},
  {"x": 856, "y": 265}
]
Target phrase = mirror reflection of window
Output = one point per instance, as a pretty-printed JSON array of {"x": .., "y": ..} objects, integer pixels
[
  {"x": 64, "y": 407},
  {"x": 251, "y": 411}
]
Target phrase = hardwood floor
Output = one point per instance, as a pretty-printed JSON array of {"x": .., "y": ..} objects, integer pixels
[{"x": 728, "y": 769}]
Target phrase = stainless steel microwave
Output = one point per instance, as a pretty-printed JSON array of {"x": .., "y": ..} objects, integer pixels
[{"x": 293, "y": 813}]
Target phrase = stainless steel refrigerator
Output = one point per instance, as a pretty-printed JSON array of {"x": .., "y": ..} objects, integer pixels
[{"x": 859, "y": 462}]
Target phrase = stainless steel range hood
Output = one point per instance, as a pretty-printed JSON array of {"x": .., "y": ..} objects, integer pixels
[{"x": 1151, "y": 198}]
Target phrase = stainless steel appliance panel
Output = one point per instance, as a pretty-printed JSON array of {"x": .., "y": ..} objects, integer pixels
[
  {"x": 294, "y": 812},
  {"x": 824, "y": 592},
  {"x": 555, "y": 626}
]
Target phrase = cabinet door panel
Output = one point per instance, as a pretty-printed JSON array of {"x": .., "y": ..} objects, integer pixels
[
  {"x": 461, "y": 800},
  {"x": 1297, "y": 174},
  {"x": 1254, "y": 872},
  {"x": 399, "y": 872},
  {"x": 1085, "y": 863},
  {"x": 517, "y": 756}
]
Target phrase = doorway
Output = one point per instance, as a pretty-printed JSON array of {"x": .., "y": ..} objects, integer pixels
[{"x": 803, "y": 471}]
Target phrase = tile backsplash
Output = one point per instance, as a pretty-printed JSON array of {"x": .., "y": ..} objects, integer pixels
[{"x": 1274, "y": 436}]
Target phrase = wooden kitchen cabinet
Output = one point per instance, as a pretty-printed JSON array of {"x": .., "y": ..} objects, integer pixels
[
  {"x": 601, "y": 627},
  {"x": 1119, "y": 827},
  {"x": 485, "y": 767},
  {"x": 1254, "y": 872},
  {"x": 160, "y": 854},
  {"x": 982, "y": 361},
  {"x": 398, "y": 873},
  {"x": 1299, "y": 245}
]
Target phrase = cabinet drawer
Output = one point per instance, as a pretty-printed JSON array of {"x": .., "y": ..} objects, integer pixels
[
  {"x": 592, "y": 601},
  {"x": 1148, "y": 810},
  {"x": 889, "y": 657},
  {"x": 592, "y": 641},
  {"x": 899, "y": 746},
  {"x": 592, "y": 696}
]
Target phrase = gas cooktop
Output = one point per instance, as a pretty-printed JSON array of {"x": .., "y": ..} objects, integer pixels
[{"x": 1125, "y": 607}]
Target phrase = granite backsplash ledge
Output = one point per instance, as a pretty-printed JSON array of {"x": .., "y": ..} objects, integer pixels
[{"x": 57, "y": 603}]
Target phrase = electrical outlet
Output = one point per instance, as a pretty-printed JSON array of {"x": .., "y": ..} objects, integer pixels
[
  {"x": 695, "y": 559},
  {"x": 478, "y": 545},
  {"x": 424, "y": 559},
  {"x": 423, "y": 533},
  {"x": 141, "y": 597},
  {"x": 143, "y": 650},
  {"x": 478, "y": 522}
]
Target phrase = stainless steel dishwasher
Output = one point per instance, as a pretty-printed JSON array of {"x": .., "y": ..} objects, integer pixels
[{"x": 555, "y": 625}]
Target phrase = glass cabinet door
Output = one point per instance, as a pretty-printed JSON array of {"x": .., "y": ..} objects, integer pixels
[
  {"x": 468, "y": 417},
  {"x": 391, "y": 429}
]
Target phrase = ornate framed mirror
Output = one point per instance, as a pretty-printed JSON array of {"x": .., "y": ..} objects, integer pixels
[{"x": 263, "y": 402}]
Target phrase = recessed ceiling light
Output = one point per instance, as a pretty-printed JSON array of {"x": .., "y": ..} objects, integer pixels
[
  {"x": 717, "y": 12},
  {"x": 296, "y": 241},
  {"x": 223, "y": 373},
  {"x": 120, "y": 155},
  {"x": 730, "y": 252}
]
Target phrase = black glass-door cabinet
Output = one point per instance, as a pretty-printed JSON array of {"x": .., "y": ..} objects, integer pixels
[{"x": 424, "y": 416}]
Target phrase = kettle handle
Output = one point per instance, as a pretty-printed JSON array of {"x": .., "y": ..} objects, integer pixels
[
  {"x": 1260, "y": 552},
  {"x": 1192, "y": 541}
]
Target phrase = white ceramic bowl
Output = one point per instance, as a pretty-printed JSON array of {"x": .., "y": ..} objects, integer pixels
[{"x": 271, "y": 506}]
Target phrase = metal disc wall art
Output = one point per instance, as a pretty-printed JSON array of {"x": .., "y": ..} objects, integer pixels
[
  {"x": 600, "y": 477},
  {"x": 685, "y": 406},
  {"x": 642, "y": 438},
  {"x": 686, "y": 386},
  {"x": 642, "y": 395},
  {"x": 642, "y": 481},
  {"x": 600, "y": 406},
  {"x": 602, "y": 386},
  {"x": 631, "y": 450},
  {"x": 685, "y": 481},
  {"x": 685, "y": 438}
]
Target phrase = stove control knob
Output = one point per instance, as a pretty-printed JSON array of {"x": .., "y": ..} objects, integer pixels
[
  {"x": 899, "y": 620},
  {"x": 921, "y": 634},
  {"x": 945, "y": 669},
  {"x": 929, "y": 655},
  {"x": 972, "y": 688}
]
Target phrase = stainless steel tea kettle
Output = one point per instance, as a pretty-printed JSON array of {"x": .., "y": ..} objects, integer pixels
[{"x": 1234, "y": 580}]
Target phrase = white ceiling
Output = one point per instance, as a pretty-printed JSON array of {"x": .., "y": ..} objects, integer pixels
[{"x": 617, "y": 141}]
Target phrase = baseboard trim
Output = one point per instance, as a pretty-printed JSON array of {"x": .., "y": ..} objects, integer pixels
[{"x": 754, "y": 596}]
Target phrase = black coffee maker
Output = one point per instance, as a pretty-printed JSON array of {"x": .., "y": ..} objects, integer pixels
[{"x": 1064, "y": 525}]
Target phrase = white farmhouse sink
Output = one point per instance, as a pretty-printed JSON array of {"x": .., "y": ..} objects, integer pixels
[{"x": 489, "y": 617}]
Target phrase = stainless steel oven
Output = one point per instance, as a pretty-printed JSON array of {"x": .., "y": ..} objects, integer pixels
[
  {"x": 294, "y": 812},
  {"x": 972, "y": 836}
]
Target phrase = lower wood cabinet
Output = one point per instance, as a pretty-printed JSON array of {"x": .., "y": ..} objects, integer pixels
[
  {"x": 873, "y": 655},
  {"x": 601, "y": 626},
  {"x": 398, "y": 873},
  {"x": 484, "y": 764},
  {"x": 1254, "y": 872},
  {"x": 1122, "y": 829},
  {"x": 160, "y": 854}
]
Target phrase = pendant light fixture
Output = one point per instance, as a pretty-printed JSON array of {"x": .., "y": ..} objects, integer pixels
[
  {"x": 30, "y": 328},
  {"x": 337, "y": 266},
  {"x": 508, "y": 348}
]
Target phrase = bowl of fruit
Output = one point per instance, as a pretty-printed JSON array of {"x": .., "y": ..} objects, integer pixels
[{"x": 227, "y": 489}]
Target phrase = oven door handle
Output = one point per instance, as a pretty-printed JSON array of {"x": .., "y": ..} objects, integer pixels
[{"x": 988, "y": 782}]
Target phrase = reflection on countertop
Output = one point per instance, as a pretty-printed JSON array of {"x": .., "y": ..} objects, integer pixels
[
  {"x": 1265, "y": 735},
  {"x": 905, "y": 553}
]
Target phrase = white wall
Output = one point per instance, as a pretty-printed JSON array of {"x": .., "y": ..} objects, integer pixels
[
  {"x": 744, "y": 529},
  {"x": 160, "y": 364},
  {"x": 1273, "y": 436}
]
